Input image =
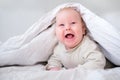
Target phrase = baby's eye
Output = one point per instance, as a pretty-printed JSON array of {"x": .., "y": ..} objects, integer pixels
[
  {"x": 73, "y": 22},
  {"x": 61, "y": 25}
]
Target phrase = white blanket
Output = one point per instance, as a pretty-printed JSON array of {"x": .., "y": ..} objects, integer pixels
[
  {"x": 38, "y": 73},
  {"x": 37, "y": 43}
]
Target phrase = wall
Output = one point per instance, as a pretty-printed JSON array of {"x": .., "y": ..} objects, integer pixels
[{"x": 16, "y": 16}]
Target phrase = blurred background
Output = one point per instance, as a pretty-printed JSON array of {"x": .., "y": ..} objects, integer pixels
[{"x": 16, "y": 16}]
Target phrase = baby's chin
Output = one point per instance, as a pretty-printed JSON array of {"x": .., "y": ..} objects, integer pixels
[{"x": 70, "y": 46}]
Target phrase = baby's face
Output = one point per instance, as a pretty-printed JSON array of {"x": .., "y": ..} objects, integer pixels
[{"x": 69, "y": 28}]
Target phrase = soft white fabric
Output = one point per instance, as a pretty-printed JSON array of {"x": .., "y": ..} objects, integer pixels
[
  {"x": 28, "y": 53},
  {"x": 37, "y": 73}
]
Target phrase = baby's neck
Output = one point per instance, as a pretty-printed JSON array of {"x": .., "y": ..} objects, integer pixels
[{"x": 72, "y": 48}]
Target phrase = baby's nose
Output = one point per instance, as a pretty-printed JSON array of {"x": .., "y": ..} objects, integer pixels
[{"x": 67, "y": 27}]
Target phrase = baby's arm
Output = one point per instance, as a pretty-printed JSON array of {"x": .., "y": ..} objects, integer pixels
[
  {"x": 54, "y": 63},
  {"x": 94, "y": 59}
]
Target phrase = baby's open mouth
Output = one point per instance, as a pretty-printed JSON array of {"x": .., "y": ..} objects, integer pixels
[{"x": 69, "y": 36}]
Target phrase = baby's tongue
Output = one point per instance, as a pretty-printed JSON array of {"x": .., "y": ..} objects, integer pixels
[{"x": 69, "y": 36}]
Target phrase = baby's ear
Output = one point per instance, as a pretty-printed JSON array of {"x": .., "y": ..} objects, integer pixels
[{"x": 84, "y": 29}]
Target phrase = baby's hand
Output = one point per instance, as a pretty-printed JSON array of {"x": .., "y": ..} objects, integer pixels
[{"x": 54, "y": 68}]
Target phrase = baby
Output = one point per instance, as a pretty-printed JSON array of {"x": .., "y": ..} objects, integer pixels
[{"x": 75, "y": 48}]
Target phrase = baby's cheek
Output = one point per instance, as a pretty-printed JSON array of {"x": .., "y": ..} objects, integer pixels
[
  {"x": 60, "y": 36},
  {"x": 61, "y": 39}
]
